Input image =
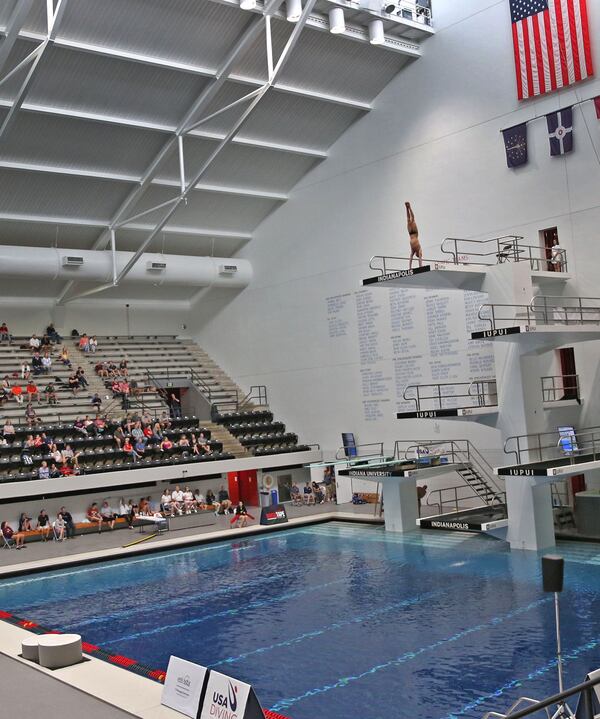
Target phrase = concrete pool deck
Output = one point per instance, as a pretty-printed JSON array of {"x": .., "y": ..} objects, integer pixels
[{"x": 43, "y": 556}]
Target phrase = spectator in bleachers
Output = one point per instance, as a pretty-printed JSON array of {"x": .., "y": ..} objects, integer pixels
[
  {"x": 4, "y": 395},
  {"x": 45, "y": 344},
  {"x": 32, "y": 392},
  {"x": 37, "y": 365},
  {"x": 34, "y": 342},
  {"x": 64, "y": 357},
  {"x": 79, "y": 426},
  {"x": 129, "y": 449},
  {"x": 67, "y": 469},
  {"x": 55, "y": 454},
  {"x": 53, "y": 334},
  {"x": 175, "y": 406},
  {"x": 69, "y": 524},
  {"x": 157, "y": 433},
  {"x": 25, "y": 370},
  {"x": 93, "y": 516},
  {"x": 8, "y": 431},
  {"x": 119, "y": 436},
  {"x": 93, "y": 344},
  {"x": 69, "y": 456},
  {"x": 81, "y": 378},
  {"x": 17, "y": 392},
  {"x": 25, "y": 523},
  {"x": 50, "y": 393},
  {"x": 73, "y": 383},
  {"x": 31, "y": 416},
  {"x": 5, "y": 335},
  {"x": 84, "y": 343},
  {"x": 101, "y": 369},
  {"x": 44, "y": 471},
  {"x": 123, "y": 368},
  {"x": 140, "y": 446},
  {"x": 43, "y": 524},
  {"x": 137, "y": 432},
  {"x": 6, "y": 383},
  {"x": 46, "y": 363},
  {"x": 166, "y": 445},
  {"x": 54, "y": 471},
  {"x": 99, "y": 425},
  {"x": 96, "y": 401},
  {"x": 9, "y": 533},
  {"x": 107, "y": 514}
]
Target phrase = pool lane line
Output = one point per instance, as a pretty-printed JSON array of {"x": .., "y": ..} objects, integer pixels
[
  {"x": 538, "y": 672},
  {"x": 410, "y": 602},
  {"x": 139, "y": 541},
  {"x": 226, "y": 612},
  {"x": 408, "y": 656},
  {"x": 120, "y": 563},
  {"x": 233, "y": 588}
]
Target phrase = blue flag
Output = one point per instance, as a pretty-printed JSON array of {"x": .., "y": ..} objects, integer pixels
[
  {"x": 560, "y": 131},
  {"x": 515, "y": 144}
]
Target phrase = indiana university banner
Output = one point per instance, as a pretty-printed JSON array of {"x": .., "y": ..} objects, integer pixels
[
  {"x": 515, "y": 144},
  {"x": 560, "y": 131}
]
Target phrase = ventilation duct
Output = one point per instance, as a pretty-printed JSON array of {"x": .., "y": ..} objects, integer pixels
[{"x": 96, "y": 266}]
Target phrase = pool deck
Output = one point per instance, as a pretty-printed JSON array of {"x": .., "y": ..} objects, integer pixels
[{"x": 42, "y": 556}]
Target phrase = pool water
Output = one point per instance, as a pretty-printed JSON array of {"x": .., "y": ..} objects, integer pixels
[{"x": 339, "y": 620}]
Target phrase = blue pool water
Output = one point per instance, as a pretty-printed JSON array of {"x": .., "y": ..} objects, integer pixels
[{"x": 338, "y": 621}]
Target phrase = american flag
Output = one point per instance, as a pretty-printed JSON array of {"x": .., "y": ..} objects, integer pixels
[{"x": 552, "y": 44}]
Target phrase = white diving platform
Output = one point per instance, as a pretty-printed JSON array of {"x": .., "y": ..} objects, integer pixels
[
  {"x": 470, "y": 413},
  {"x": 538, "y": 338},
  {"x": 436, "y": 276}
]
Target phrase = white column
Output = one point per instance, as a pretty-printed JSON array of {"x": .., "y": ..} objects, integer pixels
[
  {"x": 530, "y": 517},
  {"x": 400, "y": 504}
]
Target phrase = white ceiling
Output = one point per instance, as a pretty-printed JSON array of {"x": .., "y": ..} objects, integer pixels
[{"x": 113, "y": 86}]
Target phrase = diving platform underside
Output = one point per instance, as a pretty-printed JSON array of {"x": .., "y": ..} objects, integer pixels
[
  {"x": 559, "y": 468},
  {"x": 460, "y": 412},
  {"x": 540, "y": 338},
  {"x": 450, "y": 276},
  {"x": 478, "y": 519}
]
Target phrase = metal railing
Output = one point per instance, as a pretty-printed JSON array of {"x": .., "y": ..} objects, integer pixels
[
  {"x": 543, "y": 310},
  {"x": 479, "y": 393},
  {"x": 451, "y": 497},
  {"x": 507, "y": 248},
  {"x": 548, "y": 446},
  {"x": 560, "y": 387},
  {"x": 585, "y": 709},
  {"x": 371, "y": 450}
]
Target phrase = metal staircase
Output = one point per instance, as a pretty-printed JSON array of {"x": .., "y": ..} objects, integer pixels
[{"x": 479, "y": 476}]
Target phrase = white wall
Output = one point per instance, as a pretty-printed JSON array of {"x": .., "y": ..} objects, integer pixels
[{"x": 433, "y": 137}]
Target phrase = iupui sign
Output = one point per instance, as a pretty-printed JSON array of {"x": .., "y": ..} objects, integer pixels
[
  {"x": 199, "y": 693},
  {"x": 275, "y": 514}
]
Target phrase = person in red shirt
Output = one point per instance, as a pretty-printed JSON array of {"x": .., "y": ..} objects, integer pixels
[
  {"x": 17, "y": 392},
  {"x": 66, "y": 470},
  {"x": 32, "y": 391},
  {"x": 9, "y": 534}
]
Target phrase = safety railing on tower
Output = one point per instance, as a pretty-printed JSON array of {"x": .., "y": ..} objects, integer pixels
[
  {"x": 444, "y": 395},
  {"x": 543, "y": 310},
  {"x": 565, "y": 443},
  {"x": 371, "y": 450},
  {"x": 556, "y": 388},
  {"x": 485, "y": 253}
]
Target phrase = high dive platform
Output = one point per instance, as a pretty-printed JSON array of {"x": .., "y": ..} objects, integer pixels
[{"x": 525, "y": 316}]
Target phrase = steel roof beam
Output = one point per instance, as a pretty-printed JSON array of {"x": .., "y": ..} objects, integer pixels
[
  {"x": 97, "y": 223},
  {"x": 199, "y": 70},
  {"x": 13, "y": 28}
]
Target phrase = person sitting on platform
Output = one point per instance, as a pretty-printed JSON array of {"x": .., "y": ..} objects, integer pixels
[
  {"x": 317, "y": 493},
  {"x": 225, "y": 504},
  {"x": 241, "y": 515},
  {"x": 211, "y": 500},
  {"x": 43, "y": 524},
  {"x": 9, "y": 533},
  {"x": 167, "y": 504},
  {"x": 413, "y": 234},
  {"x": 308, "y": 495},
  {"x": 94, "y": 516},
  {"x": 295, "y": 495},
  {"x": 69, "y": 523},
  {"x": 107, "y": 514},
  {"x": 60, "y": 527},
  {"x": 198, "y": 498}
]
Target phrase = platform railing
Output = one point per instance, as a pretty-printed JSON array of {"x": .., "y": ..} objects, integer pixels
[
  {"x": 585, "y": 709},
  {"x": 479, "y": 393},
  {"x": 543, "y": 310},
  {"x": 548, "y": 446},
  {"x": 371, "y": 450},
  {"x": 451, "y": 497},
  {"x": 560, "y": 387},
  {"x": 507, "y": 248},
  {"x": 386, "y": 264}
]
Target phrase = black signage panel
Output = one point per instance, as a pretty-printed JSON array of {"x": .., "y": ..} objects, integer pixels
[
  {"x": 455, "y": 525},
  {"x": 275, "y": 514},
  {"x": 487, "y": 334},
  {"x": 521, "y": 472},
  {"x": 396, "y": 275},
  {"x": 428, "y": 414}
]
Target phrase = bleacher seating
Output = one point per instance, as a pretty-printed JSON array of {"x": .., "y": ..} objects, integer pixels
[{"x": 258, "y": 432}]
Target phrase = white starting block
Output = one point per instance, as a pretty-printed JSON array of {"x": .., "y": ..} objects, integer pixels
[{"x": 53, "y": 651}]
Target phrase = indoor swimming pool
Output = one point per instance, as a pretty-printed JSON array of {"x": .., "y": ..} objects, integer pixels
[{"x": 339, "y": 620}]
